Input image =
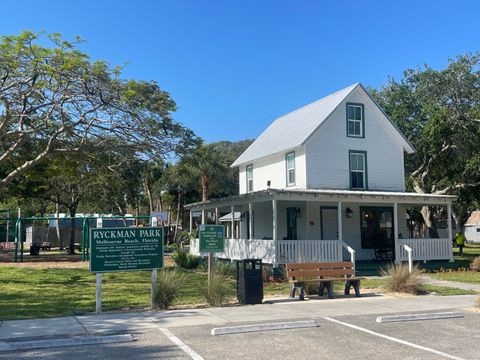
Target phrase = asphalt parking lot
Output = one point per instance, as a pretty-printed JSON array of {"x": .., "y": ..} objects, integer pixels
[{"x": 339, "y": 337}]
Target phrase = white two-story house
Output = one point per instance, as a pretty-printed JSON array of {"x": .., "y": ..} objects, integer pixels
[{"x": 323, "y": 183}]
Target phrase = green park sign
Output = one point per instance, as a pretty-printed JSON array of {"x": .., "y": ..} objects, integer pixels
[
  {"x": 212, "y": 238},
  {"x": 126, "y": 249}
]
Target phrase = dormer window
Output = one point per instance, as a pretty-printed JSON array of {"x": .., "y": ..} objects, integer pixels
[
  {"x": 290, "y": 164},
  {"x": 355, "y": 120},
  {"x": 249, "y": 170}
]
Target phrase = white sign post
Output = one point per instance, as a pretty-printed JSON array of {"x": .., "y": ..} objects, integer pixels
[
  {"x": 98, "y": 304},
  {"x": 153, "y": 292}
]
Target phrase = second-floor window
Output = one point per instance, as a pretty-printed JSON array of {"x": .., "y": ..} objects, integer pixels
[
  {"x": 249, "y": 178},
  {"x": 358, "y": 170},
  {"x": 355, "y": 120},
  {"x": 290, "y": 163}
]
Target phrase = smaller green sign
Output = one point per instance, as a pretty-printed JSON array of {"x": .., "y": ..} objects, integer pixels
[{"x": 212, "y": 238}]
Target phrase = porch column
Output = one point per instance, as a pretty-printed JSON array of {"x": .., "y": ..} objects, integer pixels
[
  {"x": 395, "y": 233},
  {"x": 250, "y": 221},
  {"x": 274, "y": 218},
  {"x": 340, "y": 231},
  {"x": 449, "y": 220},
  {"x": 216, "y": 215},
  {"x": 232, "y": 234},
  {"x": 190, "y": 226},
  {"x": 203, "y": 216}
]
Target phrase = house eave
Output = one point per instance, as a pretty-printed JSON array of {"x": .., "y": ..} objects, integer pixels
[{"x": 325, "y": 195}]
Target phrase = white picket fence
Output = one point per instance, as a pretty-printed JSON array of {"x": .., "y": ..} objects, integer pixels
[
  {"x": 281, "y": 251},
  {"x": 426, "y": 249}
]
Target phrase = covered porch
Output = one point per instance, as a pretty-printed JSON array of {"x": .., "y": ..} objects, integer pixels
[{"x": 284, "y": 226}]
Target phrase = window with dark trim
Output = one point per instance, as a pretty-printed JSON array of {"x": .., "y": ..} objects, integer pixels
[
  {"x": 355, "y": 120},
  {"x": 249, "y": 171},
  {"x": 358, "y": 169},
  {"x": 290, "y": 167}
]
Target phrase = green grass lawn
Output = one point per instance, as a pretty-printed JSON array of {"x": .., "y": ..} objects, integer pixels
[
  {"x": 461, "y": 276},
  {"x": 35, "y": 293}
]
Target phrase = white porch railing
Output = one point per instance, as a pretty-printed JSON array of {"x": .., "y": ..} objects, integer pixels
[
  {"x": 239, "y": 249},
  {"x": 301, "y": 251},
  {"x": 281, "y": 251},
  {"x": 426, "y": 249}
]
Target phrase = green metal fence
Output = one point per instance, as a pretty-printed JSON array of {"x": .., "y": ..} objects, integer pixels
[{"x": 20, "y": 233}]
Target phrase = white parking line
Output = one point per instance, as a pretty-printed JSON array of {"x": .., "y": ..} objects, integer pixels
[
  {"x": 403, "y": 342},
  {"x": 188, "y": 350}
]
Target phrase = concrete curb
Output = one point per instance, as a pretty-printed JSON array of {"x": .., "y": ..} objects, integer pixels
[
  {"x": 263, "y": 327},
  {"x": 418, "y": 317},
  {"x": 75, "y": 341}
]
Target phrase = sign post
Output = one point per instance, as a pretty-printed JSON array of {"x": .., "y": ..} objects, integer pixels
[
  {"x": 212, "y": 240},
  {"x": 125, "y": 249}
]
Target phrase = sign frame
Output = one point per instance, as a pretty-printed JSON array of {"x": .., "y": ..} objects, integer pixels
[
  {"x": 220, "y": 240},
  {"x": 161, "y": 254}
]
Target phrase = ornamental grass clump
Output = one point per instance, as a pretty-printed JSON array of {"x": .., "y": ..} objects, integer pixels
[
  {"x": 475, "y": 265},
  {"x": 169, "y": 284},
  {"x": 218, "y": 292},
  {"x": 185, "y": 260},
  {"x": 399, "y": 279}
]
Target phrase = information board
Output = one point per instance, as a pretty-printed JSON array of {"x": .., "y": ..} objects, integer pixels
[
  {"x": 126, "y": 249},
  {"x": 212, "y": 238}
]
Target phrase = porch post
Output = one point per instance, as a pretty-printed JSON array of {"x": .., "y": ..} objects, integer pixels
[
  {"x": 232, "y": 234},
  {"x": 274, "y": 218},
  {"x": 190, "y": 226},
  {"x": 449, "y": 220},
  {"x": 340, "y": 231},
  {"x": 250, "y": 221},
  {"x": 216, "y": 215},
  {"x": 395, "y": 233},
  {"x": 203, "y": 216}
]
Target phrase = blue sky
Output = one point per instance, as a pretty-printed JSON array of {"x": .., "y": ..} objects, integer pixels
[{"x": 234, "y": 66}]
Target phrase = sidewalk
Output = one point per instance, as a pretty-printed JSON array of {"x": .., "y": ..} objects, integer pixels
[
  {"x": 452, "y": 284},
  {"x": 271, "y": 310}
]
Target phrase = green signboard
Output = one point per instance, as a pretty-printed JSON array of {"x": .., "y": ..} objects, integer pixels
[
  {"x": 126, "y": 249},
  {"x": 211, "y": 238}
]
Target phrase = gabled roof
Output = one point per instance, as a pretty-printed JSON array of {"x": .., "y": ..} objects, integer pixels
[{"x": 295, "y": 128}]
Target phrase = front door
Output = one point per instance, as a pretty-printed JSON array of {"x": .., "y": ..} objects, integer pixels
[
  {"x": 292, "y": 214},
  {"x": 377, "y": 228},
  {"x": 328, "y": 223}
]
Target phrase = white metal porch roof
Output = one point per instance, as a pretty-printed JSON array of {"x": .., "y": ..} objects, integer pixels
[{"x": 326, "y": 195}]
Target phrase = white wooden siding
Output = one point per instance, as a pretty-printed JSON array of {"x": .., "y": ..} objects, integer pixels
[
  {"x": 273, "y": 168},
  {"x": 327, "y": 161}
]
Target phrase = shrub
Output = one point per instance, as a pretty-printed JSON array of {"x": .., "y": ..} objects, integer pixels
[
  {"x": 169, "y": 284},
  {"x": 312, "y": 288},
  {"x": 475, "y": 265},
  {"x": 218, "y": 292},
  {"x": 225, "y": 268},
  {"x": 398, "y": 279},
  {"x": 184, "y": 259}
]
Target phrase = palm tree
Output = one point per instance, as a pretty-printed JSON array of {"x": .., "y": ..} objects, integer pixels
[{"x": 207, "y": 163}]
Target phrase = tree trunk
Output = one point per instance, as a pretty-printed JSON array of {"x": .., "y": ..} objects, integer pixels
[
  {"x": 178, "y": 216},
  {"x": 204, "y": 188},
  {"x": 71, "y": 249},
  {"x": 59, "y": 235},
  {"x": 149, "y": 195},
  {"x": 431, "y": 228}
]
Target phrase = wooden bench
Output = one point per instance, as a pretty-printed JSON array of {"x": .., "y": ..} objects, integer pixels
[{"x": 324, "y": 274}]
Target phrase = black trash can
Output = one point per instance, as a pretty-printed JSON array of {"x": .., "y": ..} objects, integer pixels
[{"x": 249, "y": 281}]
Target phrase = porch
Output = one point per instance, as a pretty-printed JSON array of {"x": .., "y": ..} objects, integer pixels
[{"x": 281, "y": 226}]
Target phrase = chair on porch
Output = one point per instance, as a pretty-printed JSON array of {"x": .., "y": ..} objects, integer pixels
[{"x": 383, "y": 246}]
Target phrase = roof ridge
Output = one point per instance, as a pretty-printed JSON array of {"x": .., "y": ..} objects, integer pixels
[{"x": 316, "y": 101}]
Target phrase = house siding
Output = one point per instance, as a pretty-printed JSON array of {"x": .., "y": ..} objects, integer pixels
[
  {"x": 327, "y": 151},
  {"x": 273, "y": 168}
]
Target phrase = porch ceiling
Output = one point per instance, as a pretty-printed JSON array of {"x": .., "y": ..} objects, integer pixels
[{"x": 412, "y": 199}]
